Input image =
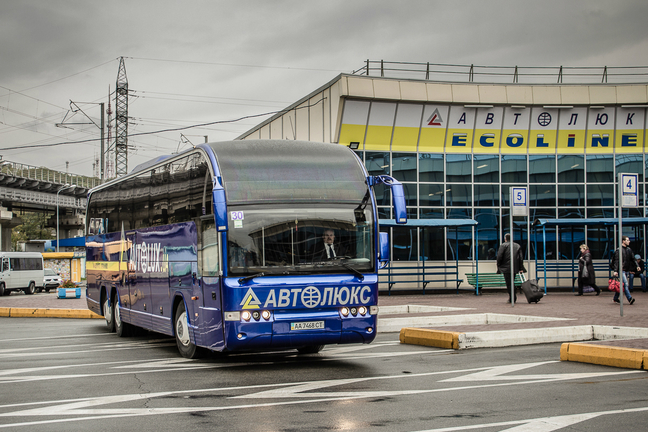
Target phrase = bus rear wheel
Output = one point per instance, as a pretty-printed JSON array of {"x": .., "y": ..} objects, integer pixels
[
  {"x": 183, "y": 340},
  {"x": 109, "y": 314},
  {"x": 31, "y": 289},
  {"x": 311, "y": 349},
  {"x": 121, "y": 328}
]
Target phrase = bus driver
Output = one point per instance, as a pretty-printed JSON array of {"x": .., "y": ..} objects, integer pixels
[{"x": 327, "y": 249}]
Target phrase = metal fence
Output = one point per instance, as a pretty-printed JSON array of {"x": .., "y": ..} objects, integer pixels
[
  {"x": 506, "y": 74},
  {"x": 47, "y": 175}
]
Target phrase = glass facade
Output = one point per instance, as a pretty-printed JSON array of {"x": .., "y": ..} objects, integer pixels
[{"x": 477, "y": 186}]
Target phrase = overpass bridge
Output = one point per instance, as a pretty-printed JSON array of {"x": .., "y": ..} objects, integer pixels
[{"x": 26, "y": 188}]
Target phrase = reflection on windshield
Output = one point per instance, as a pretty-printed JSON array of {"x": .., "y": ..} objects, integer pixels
[{"x": 299, "y": 240}]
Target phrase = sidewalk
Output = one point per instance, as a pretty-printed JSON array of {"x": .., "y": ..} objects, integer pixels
[
  {"x": 474, "y": 321},
  {"x": 590, "y": 327}
]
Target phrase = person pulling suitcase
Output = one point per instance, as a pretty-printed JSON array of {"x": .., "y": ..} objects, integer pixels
[{"x": 504, "y": 262}]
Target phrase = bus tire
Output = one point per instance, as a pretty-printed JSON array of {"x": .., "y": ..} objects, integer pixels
[
  {"x": 311, "y": 349},
  {"x": 2, "y": 289},
  {"x": 181, "y": 330},
  {"x": 31, "y": 289},
  {"x": 121, "y": 328},
  {"x": 109, "y": 315}
]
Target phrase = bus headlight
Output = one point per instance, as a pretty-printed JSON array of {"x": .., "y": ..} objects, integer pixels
[
  {"x": 266, "y": 315},
  {"x": 256, "y": 315},
  {"x": 362, "y": 310},
  {"x": 344, "y": 311},
  {"x": 354, "y": 311},
  {"x": 246, "y": 315}
]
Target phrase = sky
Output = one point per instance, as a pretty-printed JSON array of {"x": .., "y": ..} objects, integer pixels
[{"x": 233, "y": 63}]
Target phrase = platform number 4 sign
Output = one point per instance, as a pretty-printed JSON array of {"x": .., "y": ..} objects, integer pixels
[{"x": 630, "y": 190}]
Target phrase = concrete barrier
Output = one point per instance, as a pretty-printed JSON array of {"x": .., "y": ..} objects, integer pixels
[
  {"x": 628, "y": 358},
  {"x": 47, "y": 313},
  {"x": 426, "y": 337}
]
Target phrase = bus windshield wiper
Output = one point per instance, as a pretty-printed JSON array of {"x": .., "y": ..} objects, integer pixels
[
  {"x": 246, "y": 279},
  {"x": 352, "y": 269}
]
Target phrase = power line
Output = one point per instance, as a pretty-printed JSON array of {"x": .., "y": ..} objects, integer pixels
[
  {"x": 164, "y": 130},
  {"x": 234, "y": 64}
]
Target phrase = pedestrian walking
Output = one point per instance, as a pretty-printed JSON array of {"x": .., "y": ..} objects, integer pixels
[
  {"x": 586, "y": 275},
  {"x": 504, "y": 262},
  {"x": 629, "y": 266}
]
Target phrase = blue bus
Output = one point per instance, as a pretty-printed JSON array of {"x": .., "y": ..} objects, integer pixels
[{"x": 222, "y": 246}]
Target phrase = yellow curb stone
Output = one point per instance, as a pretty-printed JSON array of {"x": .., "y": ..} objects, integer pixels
[
  {"x": 427, "y": 337},
  {"x": 46, "y": 313},
  {"x": 629, "y": 358}
]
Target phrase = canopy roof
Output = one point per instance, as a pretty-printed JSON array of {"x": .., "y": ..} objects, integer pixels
[
  {"x": 590, "y": 222},
  {"x": 429, "y": 223}
]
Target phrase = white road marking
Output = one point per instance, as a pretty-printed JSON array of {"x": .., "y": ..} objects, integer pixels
[
  {"x": 50, "y": 351},
  {"x": 56, "y": 337},
  {"x": 543, "y": 424},
  {"x": 166, "y": 365},
  {"x": 300, "y": 393}
]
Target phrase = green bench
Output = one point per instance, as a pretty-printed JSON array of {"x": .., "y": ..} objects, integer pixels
[{"x": 489, "y": 280}]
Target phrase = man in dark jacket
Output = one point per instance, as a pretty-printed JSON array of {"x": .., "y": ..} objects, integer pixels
[
  {"x": 629, "y": 266},
  {"x": 504, "y": 262}
]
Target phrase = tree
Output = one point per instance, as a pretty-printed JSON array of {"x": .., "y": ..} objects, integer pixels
[{"x": 33, "y": 228}]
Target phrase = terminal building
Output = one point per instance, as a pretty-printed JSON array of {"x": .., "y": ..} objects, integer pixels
[{"x": 458, "y": 147}]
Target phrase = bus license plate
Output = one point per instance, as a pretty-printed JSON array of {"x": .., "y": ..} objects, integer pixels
[{"x": 308, "y": 325}]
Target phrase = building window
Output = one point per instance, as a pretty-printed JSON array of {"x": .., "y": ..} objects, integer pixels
[
  {"x": 430, "y": 167},
  {"x": 459, "y": 195},
  {"x": 459, "y": 168},
  {"x": 542, "y": 195},
  {"x": 404, "y": 166},
  {"x": 600, "y": 169},
  {"x": 514, "y": 169},
  {"x": 542, "y": 169},
  {"x": 486, "y": 168},
  {"x": 431, "y": 194},
  {"x": 571, "y": 169},
  {"x": 571, "y": 195}
]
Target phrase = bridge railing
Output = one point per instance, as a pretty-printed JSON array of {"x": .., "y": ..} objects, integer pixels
[{"x": 47, "y": 175}]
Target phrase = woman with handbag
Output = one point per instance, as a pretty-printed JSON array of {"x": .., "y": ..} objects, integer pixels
[{"x": 586, "y": 275}]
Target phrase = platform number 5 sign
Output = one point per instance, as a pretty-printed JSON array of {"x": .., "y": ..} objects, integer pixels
[{"x": 519, "y": 201}]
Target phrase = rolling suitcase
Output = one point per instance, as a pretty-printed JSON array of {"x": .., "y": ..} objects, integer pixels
[{"x": 531, "y": 289}]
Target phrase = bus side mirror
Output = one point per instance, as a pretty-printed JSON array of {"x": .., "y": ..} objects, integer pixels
[
  {"x": 398, "y": 195},
  {"x": 384, "y": 249},
  {"x": 220, "y": 209}
]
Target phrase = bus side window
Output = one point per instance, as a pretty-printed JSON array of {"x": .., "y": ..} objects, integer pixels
[{"x": 5, "y": 264}]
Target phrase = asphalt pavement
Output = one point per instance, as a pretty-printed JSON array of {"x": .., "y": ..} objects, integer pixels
[{"x": 464, "y": 320}]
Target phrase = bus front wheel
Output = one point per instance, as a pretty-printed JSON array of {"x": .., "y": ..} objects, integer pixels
[{"x": 183, "y": 340}]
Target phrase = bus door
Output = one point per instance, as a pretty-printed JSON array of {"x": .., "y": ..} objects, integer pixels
[
  {"x": 183, "y": 267},
  {"x": 210, "y": 318}
]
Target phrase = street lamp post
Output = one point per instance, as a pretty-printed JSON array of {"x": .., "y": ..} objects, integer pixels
[{"x": 57, "y": 213}]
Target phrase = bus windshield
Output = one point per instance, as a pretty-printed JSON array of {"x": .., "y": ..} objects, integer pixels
[{"x": 276, "y": 240}]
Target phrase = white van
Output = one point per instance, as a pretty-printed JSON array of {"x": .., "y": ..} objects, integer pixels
[{"x": 20, "y": 271}]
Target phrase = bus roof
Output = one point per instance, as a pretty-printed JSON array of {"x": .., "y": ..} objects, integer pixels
[{"x": 255, "y": 171}]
